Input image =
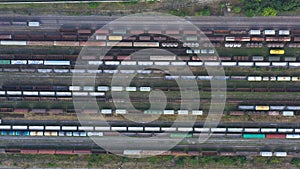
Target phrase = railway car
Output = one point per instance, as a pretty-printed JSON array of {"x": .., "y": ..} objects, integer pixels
[
  {"x": 153, "y": 112},
  {"x": 197, "y": 112},
  {"x": 288, "y": 113},
  {"x": 221, "y": 32},
  {"x": 269, "y": 32},
  {"x": 145, "y": 44},
  {"x": 283, "y": 78},
  {"x": 35, "y": 62},
  {"x": 276, "y": 136},
  {"x": 40, "y": 43},
  {"x": 262, "y": 108},
  {"x": 168, "y": 112},
  {"x": 115, "y": 38},
  {"x": 254, "y": 32},
  {"x": 254, "y": 136},
  {"x": 245, "y": 107},
  {"x": 277, "y": 52},
  {"x": 266, "y": 154},
  {"x": 106, "y": 111},
  {"x": 181, "y": 135},
  {"x": 257, "y": 58},
  {"x": 16, "y": 43},
  {"x": 238, "y": 32},
  {"x": 257, "y": 39},
  {"x": 296, "y": 38},
  {"x": 215, "y": 38},
  {"x": 293, "y": 136},
  {"x": 121, "y": 111},
  {"x": 162, "y": 57},
  {"x": 268, "y": 130},
  {"x": 284, "y": 32},
  {"x": 285, "y": 39},
  {"x": 236, "y": 113},
  {"x": 4, "y": 62},
  {"x": 182, "y": 112},
  {"x": 280, "y": 154},
  {"x": 18, "y": 62},
  {"x": 57, "y": 63},
  {"x": 207, "y": 32},
  {"x": 254, "y": 78},
  {"x": 5, "y": 36}
]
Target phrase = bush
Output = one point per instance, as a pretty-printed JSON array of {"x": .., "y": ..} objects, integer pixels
[
  {"x": 296, "y": 162},
  {"x": 93, "y": 5},
  {"x": 269, "y": 12},
  {"x": 206, "y": 11},
  {"x": 237, "y": 9}
]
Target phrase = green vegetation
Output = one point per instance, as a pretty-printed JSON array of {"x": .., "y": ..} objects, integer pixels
[
  {"x": 296, "y": 162},
  {"x": 178, "y": 12},
  {"x": 237, "y": 9},
  {"x": 204, "y": 12},
  {"x": 227, "y": 161},
  {"x": 93, "y": 5},
  {"x": 113, "y": 161},
  {"x": 269, "y": 11},
  {"x": 269, "y": 7}
]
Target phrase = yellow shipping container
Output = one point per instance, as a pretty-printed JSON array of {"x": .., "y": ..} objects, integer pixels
[
  {"x": 33, "y": 133},
  {"x": 40, "y": 133},
  {"x": 53, "y": 133},
  {"x": 115, "y": 38},
  {"x": 47, "y": 133},
  {"x": 276, "y": 52},
  {"x": 262, "y": 108}
]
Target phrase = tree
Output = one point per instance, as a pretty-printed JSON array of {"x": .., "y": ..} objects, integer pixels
[
  {"x": 269, "y": 11},
  {"x": 206, "y": 11},
  {"x": 268, "y": 7},
  {"x": 237, "y": 9},
  {"x": 249, "y": 13}
]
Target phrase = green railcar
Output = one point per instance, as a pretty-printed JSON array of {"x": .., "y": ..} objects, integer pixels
[
  {"x": 4, "y": 62},
  {"x": 181, "y": 135},
  {"x": 153, "y": 112},
  {"x": 254, "y": 136}
]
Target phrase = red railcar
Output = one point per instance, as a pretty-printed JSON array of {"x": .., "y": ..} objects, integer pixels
[
  {"x": 40, "y": 43},
  {"x": 102, "y": 31},
  {"x": 21, "y": 110},
  {"x": 84, "y": 31},
  {"x": 46, "y": 151},
  {"x": 56, "y": 111},
  {"x": 64, "y": 152},
  {"x": 282, "y": 136},
  {"x": 27, "y": 151},
  {"x": 136, "y": 32},
  {"x": 236, "y": 113},
  {"x": 82, "y": 152},
  {"x": 124, "y": 57},
  {"x": 5, "y": 37}
]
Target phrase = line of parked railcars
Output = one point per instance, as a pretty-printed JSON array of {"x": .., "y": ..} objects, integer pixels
[
  {"x": 287, "y": 113},
  {"x": 115, "y": 42},
  {"x": 205, "y": 61},
  {"x": 92, "y": 59},
  {"x": 272, "y": 110},
  {"x": 83, "y": 34},
  {"x": 129, "y": 152},
  {"x": 76, "y": 88},
  {"x": 106, "y": 62},
  {"x": 133, "y": 131},
  {"x": 172, "y": 129}
]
